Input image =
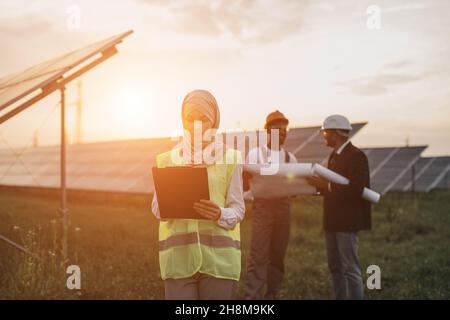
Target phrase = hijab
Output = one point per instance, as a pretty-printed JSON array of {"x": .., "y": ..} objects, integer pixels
[{"x": 203, "y": 102}]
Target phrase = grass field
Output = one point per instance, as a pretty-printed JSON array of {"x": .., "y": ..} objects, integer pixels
[{"x": 113, "y": 238}]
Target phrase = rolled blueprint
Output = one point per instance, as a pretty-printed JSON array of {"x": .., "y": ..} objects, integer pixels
[
  {"x": 270, "y": 187},
  {"x": 281, "y": 169},
  {"x": 289, "y": 179},
  {"x": 332, "y": 176}
]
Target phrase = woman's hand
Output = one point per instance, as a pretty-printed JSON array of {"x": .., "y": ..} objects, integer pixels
[{"x": 207, "y": 209}]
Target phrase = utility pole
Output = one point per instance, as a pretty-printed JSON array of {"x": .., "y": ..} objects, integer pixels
[
  {"x": 79, "y": 125},
  {"x": 36, "y": 139}
]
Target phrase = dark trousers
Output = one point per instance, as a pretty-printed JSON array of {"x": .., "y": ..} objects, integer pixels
[
  {"x": 343, "y": 262},
  {"x": 270, "y": 238}
]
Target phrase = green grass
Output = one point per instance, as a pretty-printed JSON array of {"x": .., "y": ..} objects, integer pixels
[{"x": 116, "y": 247}]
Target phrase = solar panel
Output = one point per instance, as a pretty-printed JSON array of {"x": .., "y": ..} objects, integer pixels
[
  {"x": 389, "y": 166},
  {"x": 34, "y": 83},
  {"x": 435, "y": 175},
  {"x": 409, "y": 181},
  {"x": 444, "y": 183}
]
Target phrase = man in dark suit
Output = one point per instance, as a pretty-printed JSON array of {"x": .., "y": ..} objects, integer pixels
[{"x": 344, "y": 212}]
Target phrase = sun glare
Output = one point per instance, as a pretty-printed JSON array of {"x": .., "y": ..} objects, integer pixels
[
  {"x": 131, "y": 109},
  {"x": 133, "y": 104}
]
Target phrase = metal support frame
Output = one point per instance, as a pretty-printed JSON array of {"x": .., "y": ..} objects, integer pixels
[
  {"x": 15, "y": 245},
  {"x": 63, "y": 209},
  {"x": 59, "y": 84}
]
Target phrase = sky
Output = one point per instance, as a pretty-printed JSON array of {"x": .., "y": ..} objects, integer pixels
[{"x": 384, "y": 62}]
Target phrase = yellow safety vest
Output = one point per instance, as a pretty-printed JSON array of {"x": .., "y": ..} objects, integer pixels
[{"x": 188, "y": 246}]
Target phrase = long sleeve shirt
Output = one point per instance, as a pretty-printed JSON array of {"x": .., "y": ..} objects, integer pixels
[{"x": 234, "y": 210}]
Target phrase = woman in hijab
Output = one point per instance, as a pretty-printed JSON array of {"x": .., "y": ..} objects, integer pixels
[{"x": 201, "y": 259}]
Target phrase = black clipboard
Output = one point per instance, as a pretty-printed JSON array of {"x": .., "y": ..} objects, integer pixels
[{"x": 177, "y": 188}]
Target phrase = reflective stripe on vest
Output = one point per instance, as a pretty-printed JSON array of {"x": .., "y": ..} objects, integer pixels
[
  {"x": 188, "y": 246},
  {"x": 190, "y": 238},
  {"x": 178, "y": 240}
]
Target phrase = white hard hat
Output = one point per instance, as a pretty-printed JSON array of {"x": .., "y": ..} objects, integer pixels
[{"x": 336, "y": 121}]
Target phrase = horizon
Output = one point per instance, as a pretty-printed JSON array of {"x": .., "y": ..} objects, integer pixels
[{"x": 230, "y": 131}]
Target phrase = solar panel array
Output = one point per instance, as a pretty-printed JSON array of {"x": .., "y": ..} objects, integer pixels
[
  {"x": 122, "y": 166},
  {"x": 125, "y": 166}
]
